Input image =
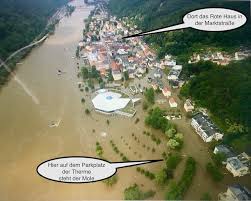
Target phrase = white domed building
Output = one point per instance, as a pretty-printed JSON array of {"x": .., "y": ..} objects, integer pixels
[{"x": 113, "y": 102}]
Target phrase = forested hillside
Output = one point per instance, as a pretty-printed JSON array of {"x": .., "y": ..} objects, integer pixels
[
  {"x": 22, "y": 20},
  {"x": 226, "y": 92},
  {"x": 150, "y": 14}
]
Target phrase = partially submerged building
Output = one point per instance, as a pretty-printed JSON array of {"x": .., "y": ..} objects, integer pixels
[
  {"x": 174, "y": 73},
  {"x": 167, "y": 92},
  {"x": 225, "y": 150},
  {"x": 205, "y": 128},
  {"x": 239, "y": 165},
  {"x": 113, "y": 102},
  {"x": 173, "y": 103},
  {"x": 188, "y": 106},
  {"x": 235, "y": 192}
]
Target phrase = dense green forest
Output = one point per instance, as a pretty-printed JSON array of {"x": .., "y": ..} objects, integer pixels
[
  {"x": 22, "y": 20},
  {"x": 226, "y": 92},
  {"x": 148, "y": 15}
]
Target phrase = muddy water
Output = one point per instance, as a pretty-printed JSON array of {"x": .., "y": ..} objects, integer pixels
[{"x": 26, "y": 138}]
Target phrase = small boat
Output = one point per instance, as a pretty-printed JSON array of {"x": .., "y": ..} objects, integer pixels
[
  {"x": 53, "y": 124},
  {"x": 60, "y": 72}
]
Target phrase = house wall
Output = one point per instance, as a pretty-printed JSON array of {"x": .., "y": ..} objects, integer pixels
[{"x": 200, "y": 132}]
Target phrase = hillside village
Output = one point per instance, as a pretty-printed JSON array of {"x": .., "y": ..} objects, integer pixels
[
  {"x": 219, "y": 57},
  {"x": 118, "y": 60}
]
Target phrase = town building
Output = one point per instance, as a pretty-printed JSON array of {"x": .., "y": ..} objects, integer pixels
[
  {"x": 238, "y": 165},
  {"x": 113, "y": 102},
  {"x": 155, "y": 86},
  {"x": 223, "y": 149},
  {"x": 166, "y": 92},
  {"x": 188, "y": 106},
  {"x": 117, "y": 75},
  {"x": 235, "y": 193},
  {"x": 157, "y": 74},
  {"x": 173, "y": 103},
  {"x": 174, "y": 73},
  {"x": 205, "y": 128}
]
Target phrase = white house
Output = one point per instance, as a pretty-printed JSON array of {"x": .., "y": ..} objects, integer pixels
[
  {"x": 170, "y": 63},
  {"x": 117, "y": 75},
  {"x": 131, "y": 73},
  {"x": 142, "y": 70},
  {"x": 188, "y": 106},
  {"x": 239, "y": 165},
  {"x": 174, "y": 72},
  {"x": 122, "y": 51},
  {"x": 235, "y": 193},
  {"x": 173, "y": 103},
  {"x": 157, "y": 74},
  {"x": 155, "y": 86},
  {"x": 223, "y": 149},
  {"x": 205, "y": 128}
]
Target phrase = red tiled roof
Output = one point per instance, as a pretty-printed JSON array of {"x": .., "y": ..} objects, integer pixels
[
  {"x": 166, "y": 89},
  {"x": 115, "y": 66},
  {"x": 171, "y": 100}
]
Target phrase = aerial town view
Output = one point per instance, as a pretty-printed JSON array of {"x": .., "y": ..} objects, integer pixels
[{"x": 120, "y": 100}]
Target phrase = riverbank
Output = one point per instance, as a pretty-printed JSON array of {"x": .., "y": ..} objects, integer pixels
[{"x": 9, "y": 65}]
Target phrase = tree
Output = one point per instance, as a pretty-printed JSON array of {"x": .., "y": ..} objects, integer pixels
[
  {"x": 218, "y": 158},
  {"x": 179, "y": 136},
  {"x": 214, "y": 172},
  {"x": 110, "y": 77},
  {"x": 149, "y": 94},
  {"x": 161, "y": 177},
  {"x": 206, "y": 197},
  {"x": 176, "y": 190},
  {"x": 94, "y": 73},
  {"x": 111, "y": 181},
  {"x": 87, "y": 111},
  {"x": 170, "y": 132},
  {"x": 173, "y": 144},
  {"x": 172, "y": 161},
  {"x": 126, "y": 75},
  {"x": 156, "y": 119},
  {"x": 134, "y": 193},
  {"x": 90, "y": 83}
]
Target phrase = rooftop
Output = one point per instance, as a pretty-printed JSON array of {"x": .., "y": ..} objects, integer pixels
[
  {"x": 108, "y": 101},
  {"x": 235, "y": 163},
  {"x": 225, "y": 150},
  {"x": 240, "y": 192},
  {"x": 206, "y": 124}
]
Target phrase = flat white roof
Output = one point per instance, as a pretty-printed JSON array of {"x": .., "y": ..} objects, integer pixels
[{"x": 109, "y": 101}]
